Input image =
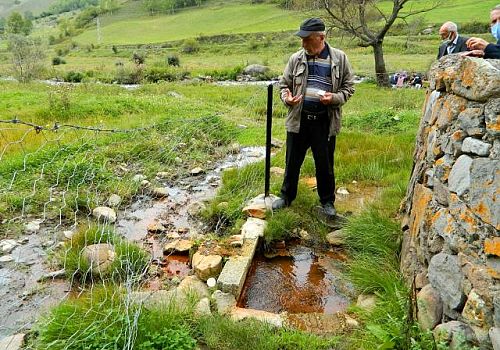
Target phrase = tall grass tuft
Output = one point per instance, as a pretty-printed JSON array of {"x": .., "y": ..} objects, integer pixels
[{"x": 128, "y": 264}]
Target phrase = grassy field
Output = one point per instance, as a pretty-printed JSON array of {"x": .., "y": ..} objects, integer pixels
[
  {"x": 35, "y": 6},
  {"x": 218, "y": 19}
]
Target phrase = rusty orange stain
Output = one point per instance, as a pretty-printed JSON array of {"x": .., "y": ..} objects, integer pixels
[{"x": 421, "y": 198}]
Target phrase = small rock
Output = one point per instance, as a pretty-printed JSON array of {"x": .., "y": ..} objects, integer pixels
[
  {"x": 336, "y": 238},
  {"x": 304, "y": 235},
  {"x": 197, "y": 171},
  {"x": 456, "y": 334},
  {"x": 68, "y": 234},
  {"x": 202, "y": 308},
  {"x": 6, "y": 259},
  {"x": 104, "y": 214},
  {"x": 366, "y": 301},
  {"x": 222, "y": 205},
  {"x": 179, "y": 245},
  {"x": 430, "y": 308},
  {"x": 234, "y": 148},
  {"x": 343, "y": 191},
  {"x": 475, "y": 146},
  {"x": 254, "y": 154},
  {"x": 100, "y": 257},
  {"x": 145, "y": 183},
  {"x": 173, "y": 235},
  {"x": 8, "y": 245},
  {"x": 183, "y": 230},
  {"x": 23, "y": 240},
  {"x": 139, "y": 178},
  {"x": 236, "y": 241},
  {"x": 156, "y": 227},
  {"x": 351, "y": 322},
  {"x": 211, "y": 282},
  {"x": 354, "y": 182},
  {"x": 114, "y": 200},
  {"x": 224, "y": 302},
  {"x": 277, "y": 143},
  {"x": 194, "y": 286},
  {"x": 159, "y": 192},
  {"x": 195, "y": 208},
  {"x": 162, "y": 175},
  {"x": 242, "y": 126},
  {"x": 206, "y": 266},
  {"x": 33, "y": 226},
  {"x": 178, "y": 160}
]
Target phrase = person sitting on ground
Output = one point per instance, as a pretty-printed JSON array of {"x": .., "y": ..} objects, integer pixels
[
  {"x": 416, "y": 81},
  {"x": 480, "y": 47},
  {"x": 452, "y": 42}
]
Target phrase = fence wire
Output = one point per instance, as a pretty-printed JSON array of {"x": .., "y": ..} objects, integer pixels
[{"x": 51, "y": 179}]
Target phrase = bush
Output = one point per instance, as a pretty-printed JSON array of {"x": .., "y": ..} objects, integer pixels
[
  {"x": 115, "y": 49},
  {"x": 57, "y": 61},
  {"x": 190, "y": 46},
  {"x": 127, "y": 75},
  {"x": 73, "y": 77},
  {"x": 138, "y": 58},
  {"x": 156, "y": 74},
  {"x": 230, "y": 73},
  {"x": 173, "y": 60},
  {"x": 475, "y": 27}
]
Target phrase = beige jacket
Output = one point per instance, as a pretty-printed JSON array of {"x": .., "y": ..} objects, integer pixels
[{"x": 295, "y": 79}]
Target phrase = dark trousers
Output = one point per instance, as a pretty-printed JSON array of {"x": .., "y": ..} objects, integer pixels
[{"x": 314, "y": 134}]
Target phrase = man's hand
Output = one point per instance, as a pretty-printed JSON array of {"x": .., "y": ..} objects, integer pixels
[
  {"x": 476, "y": 44},
  {"x": 327, "y": 98},
  {"x": 473, "y": 53},
  {"x": 292, "y": 100}
]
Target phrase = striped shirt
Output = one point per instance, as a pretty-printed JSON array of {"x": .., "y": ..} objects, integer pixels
[{"x": 318, "y": 79}]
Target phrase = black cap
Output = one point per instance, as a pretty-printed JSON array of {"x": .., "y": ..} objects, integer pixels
[{"x": 310, "y": 26}]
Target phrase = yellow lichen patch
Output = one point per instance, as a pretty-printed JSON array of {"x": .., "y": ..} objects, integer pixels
[
  {"x": 310, "y": 182},
  {"x": 468, "y": 74},
  {"x": 421, "y": 199},
  {"x": 492, "y": 246}
]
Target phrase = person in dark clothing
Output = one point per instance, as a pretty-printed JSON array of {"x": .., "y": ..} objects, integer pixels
[
  {"x": 482, "y": 48},
  {"x": 316, "y": 82},
  {"x": 452, "y": 42}
]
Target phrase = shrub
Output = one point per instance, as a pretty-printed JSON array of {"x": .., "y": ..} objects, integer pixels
[
  {"x": 115, "y": 49},
  {"x": 173, "y": 60},
  {"x": 138, "y": 58},
  {"x": 73, "y": 77},
  {"x": 127, "y": 75},
  {"x": 57, "y": 61},
  {"x": 190, "y": 46},
  {"x": 156, "y": 74},
  {"x": 475, "y": 27}
]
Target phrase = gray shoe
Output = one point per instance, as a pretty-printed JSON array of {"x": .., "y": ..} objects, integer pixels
[
  {"x": 279, "y": 204},
  {"x": 329, "y": 210}
]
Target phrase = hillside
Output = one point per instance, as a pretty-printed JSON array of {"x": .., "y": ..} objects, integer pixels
[
  {"x": 35, "y": 6},
  {"x": 210, "y": 20}
]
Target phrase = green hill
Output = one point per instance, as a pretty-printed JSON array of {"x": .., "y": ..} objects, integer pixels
[
  {"x": 125, "y": 28},
  {"x": 35, "y": 6}
]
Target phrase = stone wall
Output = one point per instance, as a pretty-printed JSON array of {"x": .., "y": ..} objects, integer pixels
[{"x": 451, "y": 245}]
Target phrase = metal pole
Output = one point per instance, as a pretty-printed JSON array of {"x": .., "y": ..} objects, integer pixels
[{"x": 269, "y": 125}]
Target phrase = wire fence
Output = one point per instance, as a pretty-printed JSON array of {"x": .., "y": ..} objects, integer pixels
[{"x": 52, "y": 177}]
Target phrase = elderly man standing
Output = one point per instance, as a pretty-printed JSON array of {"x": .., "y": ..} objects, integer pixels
[
  {"x": 452, "y": 42},
  {"x": 482, "y": 48},
  {"x": 316, "y": 82}
]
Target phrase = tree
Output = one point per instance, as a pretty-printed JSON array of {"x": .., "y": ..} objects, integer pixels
[
  {"x": 16, "y": 24},
  {"x": 27, "y": 57},
  {"x": 369, "y": 22}
]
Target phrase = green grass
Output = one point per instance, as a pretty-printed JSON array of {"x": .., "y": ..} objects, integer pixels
[
  {"x": 105, "y": 319},
  {"x": 129, "y": 263},
  {"x": 35, "y": 6},
  {"x": 217, "y": 19}
]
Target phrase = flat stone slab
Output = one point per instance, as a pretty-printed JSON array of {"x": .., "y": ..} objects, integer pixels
[
  {"x": 253, "y": 228},
  {"x": 13, "y": 342},
  {"x": 238, "y": 314},
  {"x": 233, "y": 275}
]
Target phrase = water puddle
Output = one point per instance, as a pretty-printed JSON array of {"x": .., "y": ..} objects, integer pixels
[{"x": 296, "y": 282}]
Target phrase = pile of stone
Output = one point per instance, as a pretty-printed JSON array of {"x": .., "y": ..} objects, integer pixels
[{"x": 451, "y": 248}]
